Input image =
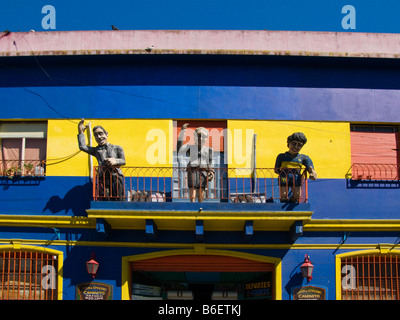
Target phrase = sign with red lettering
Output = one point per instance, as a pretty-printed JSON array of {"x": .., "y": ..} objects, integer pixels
[{"x": 259, "y": 288}]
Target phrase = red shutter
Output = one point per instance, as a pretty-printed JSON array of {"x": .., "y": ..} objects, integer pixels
[
  {"x": 201, "y": 263},
  {"x": 35, "y": 149},
  {"x": 374, "y": 155},
  {"x": 373, "y": 147},
  {"x": 215, "y": 129},
  {"x": 11, "y": 149}
]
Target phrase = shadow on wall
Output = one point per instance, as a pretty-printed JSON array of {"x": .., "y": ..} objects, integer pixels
[
  {"x": 77, "y": 200},
  {"x": 296, "y": 280}
]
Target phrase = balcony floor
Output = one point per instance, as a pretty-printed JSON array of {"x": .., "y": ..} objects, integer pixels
[{"x": 184, "y": 216}]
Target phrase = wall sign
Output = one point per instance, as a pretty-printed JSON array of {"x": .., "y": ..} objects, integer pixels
[
  {"x": 259, "y": 288},
  {"x": 309, "y": 293},
  {"x": 93, "y": 291}
]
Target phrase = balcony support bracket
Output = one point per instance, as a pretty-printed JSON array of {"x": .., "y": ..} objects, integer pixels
[
  {"x": 248, "y": 230},
  {"x": 103, "y": 227},
  {"x": 199, "y": 232},
  {"x": 151, "y": 229},
  {"x": 296, "y": 230}
]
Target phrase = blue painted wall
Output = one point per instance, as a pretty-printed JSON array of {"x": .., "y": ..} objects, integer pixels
[
  {"x": 72, "y": 195},
  {"x": 201, "y": 87},
  {"x": 352, "y": 201},
  {"x": 110, "y": 257},
  {"x": 66, "y": 196}
]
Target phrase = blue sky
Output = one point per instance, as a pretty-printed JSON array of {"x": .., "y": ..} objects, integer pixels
[{"x": 310, "y": 15}]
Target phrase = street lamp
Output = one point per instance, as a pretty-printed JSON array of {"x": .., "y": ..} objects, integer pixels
[
  {"x": 91, "y": 266},
  {"x": 307, "y": 268}
]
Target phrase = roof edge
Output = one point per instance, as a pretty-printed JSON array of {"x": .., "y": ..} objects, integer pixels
[{"x": 212, "y": 42}]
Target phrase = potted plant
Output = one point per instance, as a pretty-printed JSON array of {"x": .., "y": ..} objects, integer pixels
[
  {"x": 17, "y": 172},
  {"x": 9, "y": 172},
  {"x": 28, "y": 169}
]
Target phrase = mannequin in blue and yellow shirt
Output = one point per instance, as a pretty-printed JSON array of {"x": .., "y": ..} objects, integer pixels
[{"x": 288, "y": 165}]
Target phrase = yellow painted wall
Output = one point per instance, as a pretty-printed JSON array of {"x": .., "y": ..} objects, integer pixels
[
  {"x": 148, "y": 143},
  {"x": 328, "y": 144},
  {"x": 145, "y": 142}
]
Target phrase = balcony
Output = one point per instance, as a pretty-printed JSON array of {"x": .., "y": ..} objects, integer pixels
[
  {"x": 168, "y": 184},
  {"x": 21, "y": 172},
  {"x": 373, "y": 176},
  {"x": 144, "y": 198},
  {"x": 375, "y": 171}
]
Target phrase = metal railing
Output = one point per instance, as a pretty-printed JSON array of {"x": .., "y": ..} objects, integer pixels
[
  {"x": 22, "y": 168},
  {"x": 370, "y": 277},
  {"x": 374, "y": 171},
  {"x": 28, "y": 275},
  {"x": 165, "y": 184}
]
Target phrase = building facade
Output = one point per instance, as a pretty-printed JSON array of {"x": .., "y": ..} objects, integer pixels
[{"x": 250, "y": 90}]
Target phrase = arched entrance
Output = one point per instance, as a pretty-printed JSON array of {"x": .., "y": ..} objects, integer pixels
[{"x": 218, "y": 274}]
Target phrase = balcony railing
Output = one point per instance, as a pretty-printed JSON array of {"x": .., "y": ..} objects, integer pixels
[
  {"x": 169, "y": 184},
  {"x": 22, "y": 168},
  {"x": 374, "y": 171}
]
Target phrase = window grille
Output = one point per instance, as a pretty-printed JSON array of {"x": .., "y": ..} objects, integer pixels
[
  {"x": 370, "y": 277},
  {"x": 28, "y": 275}
]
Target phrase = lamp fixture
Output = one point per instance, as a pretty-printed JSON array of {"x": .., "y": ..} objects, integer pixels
[
  {"x": 307, "y": 268},
  {"x": 92, "y": 266}
]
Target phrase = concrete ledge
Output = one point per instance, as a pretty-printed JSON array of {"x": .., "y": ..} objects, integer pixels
[{"x": 223, "y": 42}]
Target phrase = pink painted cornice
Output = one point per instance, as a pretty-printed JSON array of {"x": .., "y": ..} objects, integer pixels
[{"x": 295, "y": 43}]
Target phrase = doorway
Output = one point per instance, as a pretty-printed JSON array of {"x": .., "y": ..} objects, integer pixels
[
  {"x": 201, "y": 277},
  {"x": 217, "y": 187}
]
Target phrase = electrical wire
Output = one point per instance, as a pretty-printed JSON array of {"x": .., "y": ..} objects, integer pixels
[
  {"x": 51, "y": 79},
  {"x": 159, "y": 100},
  {"x": 60, "y": 160},
  {"x": 48, "y": 104}
]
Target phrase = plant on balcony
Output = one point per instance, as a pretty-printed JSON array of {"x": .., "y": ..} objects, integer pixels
[
  {"x": 28, "y": 169},
  {"x": 13, "y": 172},
  {"x": 9, "y": 172},
  {"x": 17, "y": 171}
]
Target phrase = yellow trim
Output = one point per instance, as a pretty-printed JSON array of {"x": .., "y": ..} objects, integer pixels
[
  {"x": 46, "y": 221},
  {"x": 203, "y": 215},
  {"x": 128, "y": 259},
  {"x": 310, "y": 225},
  {"x": 60, "y": 259},
  {"x": 352, "y": 225},
  {"x": 16, "y": 245},
  {"x": 382, "y": 249},
  {"x": 236, "y": 246},
  {"x": 213, "y": 220}
]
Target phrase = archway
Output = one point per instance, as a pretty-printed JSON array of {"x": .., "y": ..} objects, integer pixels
[{"x": 224, "y": 274}]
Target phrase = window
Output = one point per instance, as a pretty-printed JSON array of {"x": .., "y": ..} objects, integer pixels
[
  {"x": 215, "y": 141},
  {"x": 370, "y": 277},
  {"x": 28, "y": 275},
  {"x": 374, "y": 152},
  {"x": 23, "y": 148}
]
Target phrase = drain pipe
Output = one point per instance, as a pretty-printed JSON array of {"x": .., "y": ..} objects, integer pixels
[
  {"x": 90, "y": 157},
  {"x": 254, "y": 180}
]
